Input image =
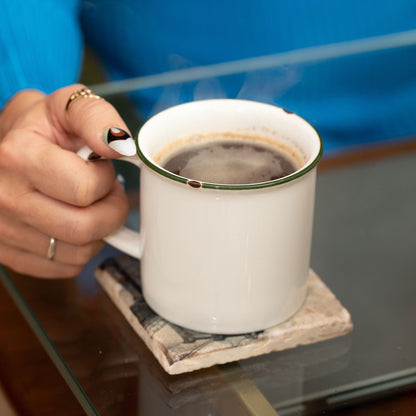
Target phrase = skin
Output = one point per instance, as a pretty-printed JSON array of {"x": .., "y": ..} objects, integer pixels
[{"x": 47, "y": 190}]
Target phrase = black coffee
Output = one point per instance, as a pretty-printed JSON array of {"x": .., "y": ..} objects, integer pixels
[{"x": 230, "y": 161}]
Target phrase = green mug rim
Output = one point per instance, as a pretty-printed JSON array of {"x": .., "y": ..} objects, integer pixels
[{"x": 234, "y": 187}]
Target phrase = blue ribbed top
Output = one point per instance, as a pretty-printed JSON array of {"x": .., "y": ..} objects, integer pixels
[
  {"x": 41, "y": 45},
  {"x": 351, "y": 99}
]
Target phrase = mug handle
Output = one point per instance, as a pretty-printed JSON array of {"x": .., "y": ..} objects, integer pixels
[{"x": 124, "y": 239}]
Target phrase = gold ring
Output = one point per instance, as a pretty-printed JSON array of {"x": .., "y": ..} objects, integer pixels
[
  {"x": 51, "y": 249},
  {"x": 82, "y": 93}
]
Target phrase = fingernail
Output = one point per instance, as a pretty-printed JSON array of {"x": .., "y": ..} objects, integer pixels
[
  {"x": 94, "y": 156},
  {"x": 120, "y": 141},
  {"x": 122, "y": 181}
]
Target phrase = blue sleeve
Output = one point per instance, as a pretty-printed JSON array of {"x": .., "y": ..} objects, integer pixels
[{"x": 40, "y": 45}]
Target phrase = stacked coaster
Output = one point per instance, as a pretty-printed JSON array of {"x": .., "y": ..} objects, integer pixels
[{"x": 180, "y": 350}]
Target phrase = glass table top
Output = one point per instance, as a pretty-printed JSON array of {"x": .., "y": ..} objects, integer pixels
[{"x": 364, "y": 249}]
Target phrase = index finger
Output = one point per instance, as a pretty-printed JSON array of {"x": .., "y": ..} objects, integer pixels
[
  {"x": 94, "y": 120},
  {"x": 54, "y": 171}
]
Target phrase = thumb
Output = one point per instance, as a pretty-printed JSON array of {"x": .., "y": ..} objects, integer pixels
[{"x": 80, "y": 113}]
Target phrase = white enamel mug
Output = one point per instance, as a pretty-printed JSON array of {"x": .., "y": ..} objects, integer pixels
[{"x": 223, "y": 259}]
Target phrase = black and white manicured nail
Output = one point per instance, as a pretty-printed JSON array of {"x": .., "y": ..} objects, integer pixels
[
  {"x": 120, "y": 141},
  {"x": 94, "y": 156}
]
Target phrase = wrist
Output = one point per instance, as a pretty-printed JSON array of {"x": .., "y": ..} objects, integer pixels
[{"x": 18, "y": 104}]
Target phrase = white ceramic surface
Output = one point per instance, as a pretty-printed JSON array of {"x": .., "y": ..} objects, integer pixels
[{"x": 224, "y": 259}]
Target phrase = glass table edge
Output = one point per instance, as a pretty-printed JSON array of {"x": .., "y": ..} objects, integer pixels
[
  {"x": 46, "y": 343},
  {"x": 349, "y": 391}
]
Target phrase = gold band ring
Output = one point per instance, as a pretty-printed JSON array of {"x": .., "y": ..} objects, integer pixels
[
  {"x": 51, "y": 249},
  {"x": 82, "y": 93}
]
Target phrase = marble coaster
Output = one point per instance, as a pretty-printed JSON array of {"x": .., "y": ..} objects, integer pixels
[{"x": 180, "y": 350}]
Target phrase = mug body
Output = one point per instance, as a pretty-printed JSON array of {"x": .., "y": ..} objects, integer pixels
[{"x": 226, "y": 259}]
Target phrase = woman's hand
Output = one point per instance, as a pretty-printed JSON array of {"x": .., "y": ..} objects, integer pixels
[{"x": 47, "y": 190}]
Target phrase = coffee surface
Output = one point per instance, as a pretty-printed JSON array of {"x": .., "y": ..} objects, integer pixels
[{"x": 230, "y": 161}]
